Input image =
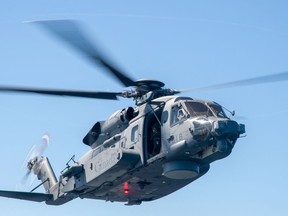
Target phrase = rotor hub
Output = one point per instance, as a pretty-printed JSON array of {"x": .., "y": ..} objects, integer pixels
[{"x": 149, "y": 84}]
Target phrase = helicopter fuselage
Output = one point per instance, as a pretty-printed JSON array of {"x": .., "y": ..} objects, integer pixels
[{"x": 166, "y": 144}]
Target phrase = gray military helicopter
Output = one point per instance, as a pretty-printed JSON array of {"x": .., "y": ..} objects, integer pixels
[{"x": 140, "y": 153}]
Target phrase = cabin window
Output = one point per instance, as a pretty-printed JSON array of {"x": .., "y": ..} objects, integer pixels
[
  {"x": 135, "y": 134},
  {"x": 97, "y": 151}
]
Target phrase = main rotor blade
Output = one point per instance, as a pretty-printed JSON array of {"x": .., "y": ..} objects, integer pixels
[
  {"x": 82, "y": 94},
  {"x": 245, "y": 82},
  {"x": 70, "y": 32}
]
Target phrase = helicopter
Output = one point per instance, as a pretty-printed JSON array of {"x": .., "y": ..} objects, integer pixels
[{"x": 141, "y": 153}]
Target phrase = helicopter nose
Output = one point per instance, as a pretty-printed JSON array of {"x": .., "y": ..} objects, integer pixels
[
  {"x": 228, "y": 129},
  {"x": 201, "y": 129}
]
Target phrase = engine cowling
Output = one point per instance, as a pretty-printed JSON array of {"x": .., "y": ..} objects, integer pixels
[{"x": 103, "y": 130}]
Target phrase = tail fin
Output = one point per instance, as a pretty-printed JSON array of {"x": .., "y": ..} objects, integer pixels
[{"x": 45, "y": 173}]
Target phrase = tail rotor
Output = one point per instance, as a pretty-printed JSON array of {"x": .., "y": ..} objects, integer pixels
[{"x": 32, "y": 163}]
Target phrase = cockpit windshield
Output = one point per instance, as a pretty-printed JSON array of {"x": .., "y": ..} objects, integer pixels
[{"x": 196, "y": 108}]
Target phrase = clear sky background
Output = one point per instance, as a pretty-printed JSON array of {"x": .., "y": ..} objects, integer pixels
[{"x": 185, "y": 44}]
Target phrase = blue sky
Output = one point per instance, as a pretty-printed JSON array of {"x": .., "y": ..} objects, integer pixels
[{"x": 185, "y": 44}]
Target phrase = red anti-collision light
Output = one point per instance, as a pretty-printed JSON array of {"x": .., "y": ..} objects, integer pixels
[{"x": 126, "y": 188}]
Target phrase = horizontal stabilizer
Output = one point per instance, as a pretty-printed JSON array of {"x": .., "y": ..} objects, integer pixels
[{"x": 36, "y": 197}]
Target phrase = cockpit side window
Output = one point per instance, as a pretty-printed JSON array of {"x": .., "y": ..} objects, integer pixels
[
  {"x": 177, "y": 114},
  {"x": 217, "y": 109}
]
